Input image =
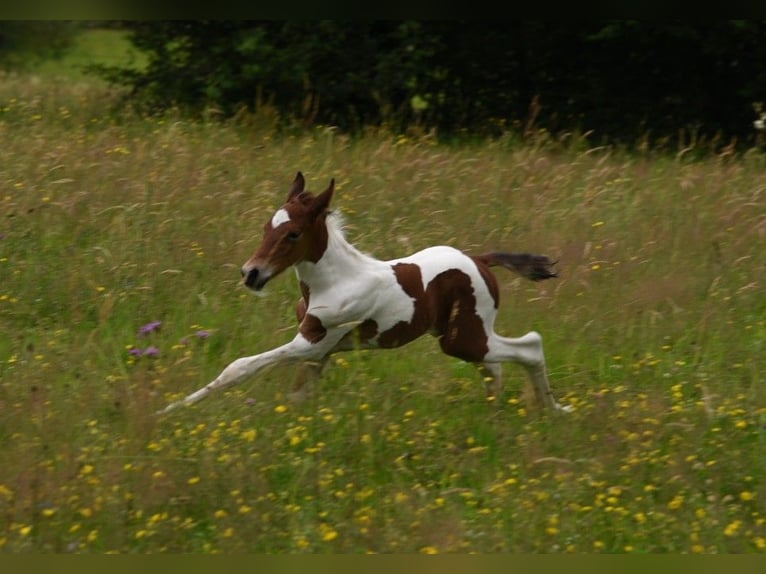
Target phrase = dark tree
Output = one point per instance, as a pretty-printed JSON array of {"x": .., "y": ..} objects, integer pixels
[{"x": 620, "y": 79}]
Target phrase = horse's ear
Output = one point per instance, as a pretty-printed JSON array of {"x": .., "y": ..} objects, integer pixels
[
  {"x": 322, "y": 201},
  {"x": 298, "y": 184}
]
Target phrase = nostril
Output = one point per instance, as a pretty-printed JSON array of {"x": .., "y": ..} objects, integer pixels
[{"x": 250, "y": 276}]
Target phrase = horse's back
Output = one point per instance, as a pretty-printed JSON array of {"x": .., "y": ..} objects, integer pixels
[
  {"x": 449, "y": 274},
  {"x": 443, "y": 260}
]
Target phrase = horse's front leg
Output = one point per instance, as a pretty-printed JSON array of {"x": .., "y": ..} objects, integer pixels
[{"x": 299, "y": 349}]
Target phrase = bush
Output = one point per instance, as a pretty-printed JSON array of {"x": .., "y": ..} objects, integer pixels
[
  {"x": 617, "y": 78},
  {"x": 25, "y": 43}
]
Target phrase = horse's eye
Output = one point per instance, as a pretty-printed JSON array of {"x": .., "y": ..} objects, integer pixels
[{"x": 293, "y": 235}]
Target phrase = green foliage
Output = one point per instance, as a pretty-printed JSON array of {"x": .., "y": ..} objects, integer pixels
[
  {"x": 654, "y": 332},
  {"x": 24, "y": 44},
  {"x": 616, "y": 79},
  {"x": 327, "y": 71}
]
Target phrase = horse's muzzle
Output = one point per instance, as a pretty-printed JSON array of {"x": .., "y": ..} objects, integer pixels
[{"x": 255, "y": 278}]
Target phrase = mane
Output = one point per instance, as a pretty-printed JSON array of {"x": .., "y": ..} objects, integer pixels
[
  {"x": 336, "y": 223},
  {"x": 336, "y": 235}
]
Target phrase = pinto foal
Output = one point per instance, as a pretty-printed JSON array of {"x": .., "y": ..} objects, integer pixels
[{"x": 353, "y": 301}]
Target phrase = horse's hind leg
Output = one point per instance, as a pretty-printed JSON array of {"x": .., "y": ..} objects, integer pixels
[
  {"x": 307, "y": 374},
  {"x": 527, "y": 351}
]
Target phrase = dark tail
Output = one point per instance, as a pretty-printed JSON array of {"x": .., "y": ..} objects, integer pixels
[{"x": 534, "y": 267}]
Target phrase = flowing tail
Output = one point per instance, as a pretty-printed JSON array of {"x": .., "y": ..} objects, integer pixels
[{"x": 534, "y": 267}]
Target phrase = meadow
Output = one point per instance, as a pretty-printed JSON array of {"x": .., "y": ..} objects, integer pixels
[{"x": 121, "y": 239}]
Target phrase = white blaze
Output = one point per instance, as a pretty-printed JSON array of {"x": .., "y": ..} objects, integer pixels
[{"x": 280, "y": 217}]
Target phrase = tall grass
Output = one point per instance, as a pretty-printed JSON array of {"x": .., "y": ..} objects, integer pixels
[{"x": 654, "y": 332}]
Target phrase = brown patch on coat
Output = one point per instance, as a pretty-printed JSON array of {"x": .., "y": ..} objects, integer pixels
[
  {"x": 312, "y": 329},
  {"x": 411, "y": 281},
  {"x": 366, "y": 331},
  {"x": 460, "y": 329},
  {"x": 303, "y": 303},
  {"x": 447, "y": 307},
  {"x": 316, "y": 238}
]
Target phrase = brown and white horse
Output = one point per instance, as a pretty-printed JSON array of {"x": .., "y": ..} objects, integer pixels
[{"x": 353, "y": 301}]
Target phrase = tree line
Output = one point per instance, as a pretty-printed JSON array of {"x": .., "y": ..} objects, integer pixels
[{"x": 618, "y": 79}]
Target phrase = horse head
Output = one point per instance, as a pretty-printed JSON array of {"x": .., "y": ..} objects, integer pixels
[{"x": 296, "y": 232}]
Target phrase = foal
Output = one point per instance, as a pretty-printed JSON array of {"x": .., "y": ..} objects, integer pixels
[{"x": 353, "y": 301}]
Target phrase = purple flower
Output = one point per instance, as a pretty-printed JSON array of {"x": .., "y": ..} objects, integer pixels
[
  {"x": 202, "y": 334},
  {"x": 148, "y": 352},
  {"x": 149, "y": 327}
]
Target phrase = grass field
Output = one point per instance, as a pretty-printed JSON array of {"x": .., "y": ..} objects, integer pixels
[{"x": 654, "y": 333}]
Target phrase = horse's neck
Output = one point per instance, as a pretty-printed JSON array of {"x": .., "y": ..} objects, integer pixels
[{"x": 340, "y": 261}]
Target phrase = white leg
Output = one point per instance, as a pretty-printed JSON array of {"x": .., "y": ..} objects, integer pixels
[
  {"x": 299, "y": 349},
  {"x": 528, "y": 351}
]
